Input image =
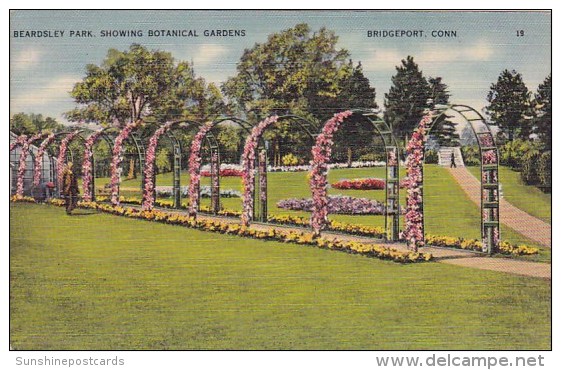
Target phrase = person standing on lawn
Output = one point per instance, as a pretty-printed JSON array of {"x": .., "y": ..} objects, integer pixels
[{"x": 69, "y": 188}]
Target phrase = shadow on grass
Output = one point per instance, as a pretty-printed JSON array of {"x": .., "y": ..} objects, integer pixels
[{"x": 82, "y": 213}]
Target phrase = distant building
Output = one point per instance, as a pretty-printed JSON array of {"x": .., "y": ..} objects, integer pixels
[{"x": 48, "y": 171}]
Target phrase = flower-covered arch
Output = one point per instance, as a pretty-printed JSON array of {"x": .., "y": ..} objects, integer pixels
[
  {"x": 38, "y": 166},
  {"x": 414, "y": 232},
  {"x": 117, "y": 159},
  {"x": 149, "y": 186},
  {"x": 195, "y": 162},
  {"x": 25, "y": 143},
  {"x": 61, "y": 160},
  {"x": 321, "y": 155},
  {"x": 88, "y": 176},
  {"x": 248, "y": 163}
]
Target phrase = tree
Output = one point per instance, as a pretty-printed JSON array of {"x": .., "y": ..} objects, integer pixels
[
  {"x": 444, "y": 130},
  {"x": 542, "y": 108},
  {"x": 29, "y": 124},
  {"x": 509, "y": 105},
  {"x": 407, "y": 98},
  {"x": 142, "y": 84},
  {"x": 301, "y": 72}
]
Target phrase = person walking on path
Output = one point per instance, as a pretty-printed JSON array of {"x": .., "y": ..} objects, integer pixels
[
  {"x": 453, "y": 160},
  {"x": 69, "y": 188}
]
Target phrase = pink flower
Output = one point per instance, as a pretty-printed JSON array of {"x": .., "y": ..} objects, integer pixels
[
  {"x": 38, "y": 168},
  {"x": 118, "y": 159},
  {"x": 414, "y": 232},
  {"x": 62, "y": 155},
  {"x": 195, "y": 161},
  {"x": 87, "y": 170},
  {"x": 321, "y": 155},
  {"x": 248, "y": 164},
  {"x": 25, "y": 144}
]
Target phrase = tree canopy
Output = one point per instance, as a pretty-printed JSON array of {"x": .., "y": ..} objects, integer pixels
[
  {"x": 29, "y": 124},
  {"x": 542, "y": 106},
  {"x": 142, "y": 84},
  {"x": 509, "y": 105},
  {"x": 407, "y": 98}
]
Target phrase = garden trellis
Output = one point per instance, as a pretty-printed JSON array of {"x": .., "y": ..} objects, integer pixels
[
  {"x": 254, "y": 174},
  {"x": 489, "y": 167}
]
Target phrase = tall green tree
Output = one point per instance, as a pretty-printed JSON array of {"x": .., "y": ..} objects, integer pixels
[
  {"x": 29, "y": 124},
  {"x": 301, "y": 72},
  {"x": 509, "y": 105},
  {"x": 444, "y": 130},
  {"x": 542, "y": 110},
  {"x": 407, "y": 98},
  {"x": 142, "y": 84}
]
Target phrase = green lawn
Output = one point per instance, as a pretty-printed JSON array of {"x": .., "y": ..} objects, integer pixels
[
  {"x": 95, "y": 281},
  {"x": 448, "y": 210},
  {"x": 528, "y": 198}
]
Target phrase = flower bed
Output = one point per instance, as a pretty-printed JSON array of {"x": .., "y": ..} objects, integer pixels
[
  {"x": 504, "y": 247},
  {"x": 352, "y": 229},
  {"x": 205, "y": 192},
  {"x": 337, "y": 205},
  {"x": 360, "y": 184},
  {"x": 294, "y": 237},
  {"x": 224, "y": 172}
]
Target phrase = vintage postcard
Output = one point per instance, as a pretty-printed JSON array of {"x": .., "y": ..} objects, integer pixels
[{"x": 280, "y": 180}]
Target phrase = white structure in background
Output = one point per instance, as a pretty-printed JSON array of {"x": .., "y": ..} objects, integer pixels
[
  {"x": 48, "y": 170},
  {"x": 445, "y": 155}
]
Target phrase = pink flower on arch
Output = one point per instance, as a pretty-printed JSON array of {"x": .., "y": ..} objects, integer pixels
[
  {"x": 149, "y": 186},
  {"x": 195, "y": 161},
  {"x": 118, "y": 159},
  {"x": 414, "y": 228},
  {"x": 38, "y": 168},
  {"x": 248, "y": 164},
  {"x": 62, "y": 155},
  {"x": 321, "y": 154},
  {"x": 87, "y": 170}
]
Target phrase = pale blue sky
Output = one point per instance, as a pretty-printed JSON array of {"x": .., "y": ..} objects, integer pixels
[{"x": 43, "y": 70}]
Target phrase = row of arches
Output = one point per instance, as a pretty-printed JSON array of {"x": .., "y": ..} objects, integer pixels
[{"x": 254, "y": 163}]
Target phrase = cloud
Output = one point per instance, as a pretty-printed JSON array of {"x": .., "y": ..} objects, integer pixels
[
  {"x": 26, "y": 59},
  {"x": 387, "y": 59},
  {"x": 54, "y": 93},
  {"x": 478, "y": 52},
  {"x": 208, "y": 54}
]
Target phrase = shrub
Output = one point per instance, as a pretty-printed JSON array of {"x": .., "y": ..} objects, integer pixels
[
  {"x": 431, "y": 156},
  {"x": 512, "y": 152},
  {"x": 530, "y": 168},
  {"x": 471, "y": 155},
  {"x": 290, "y": 160},
  {"x": 372, "y": 157},
  {"x": 544, "y": 171}
]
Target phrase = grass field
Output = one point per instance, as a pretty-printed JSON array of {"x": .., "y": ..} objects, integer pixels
[
  {"x": 528, "y": 198},
  {"x": 448, "y": 210},
  {"x": 95, "y": 281}
]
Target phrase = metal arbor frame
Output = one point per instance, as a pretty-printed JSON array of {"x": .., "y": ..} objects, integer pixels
[
  {"x": 490, "y": 228},
  {"x": 392, "y": 211},
  {"x": 109, "y": 140},
  {"x": 260, "y": 208},
  {"x": 176, "y": 144},
  {"x": 214, "y": 149}
]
